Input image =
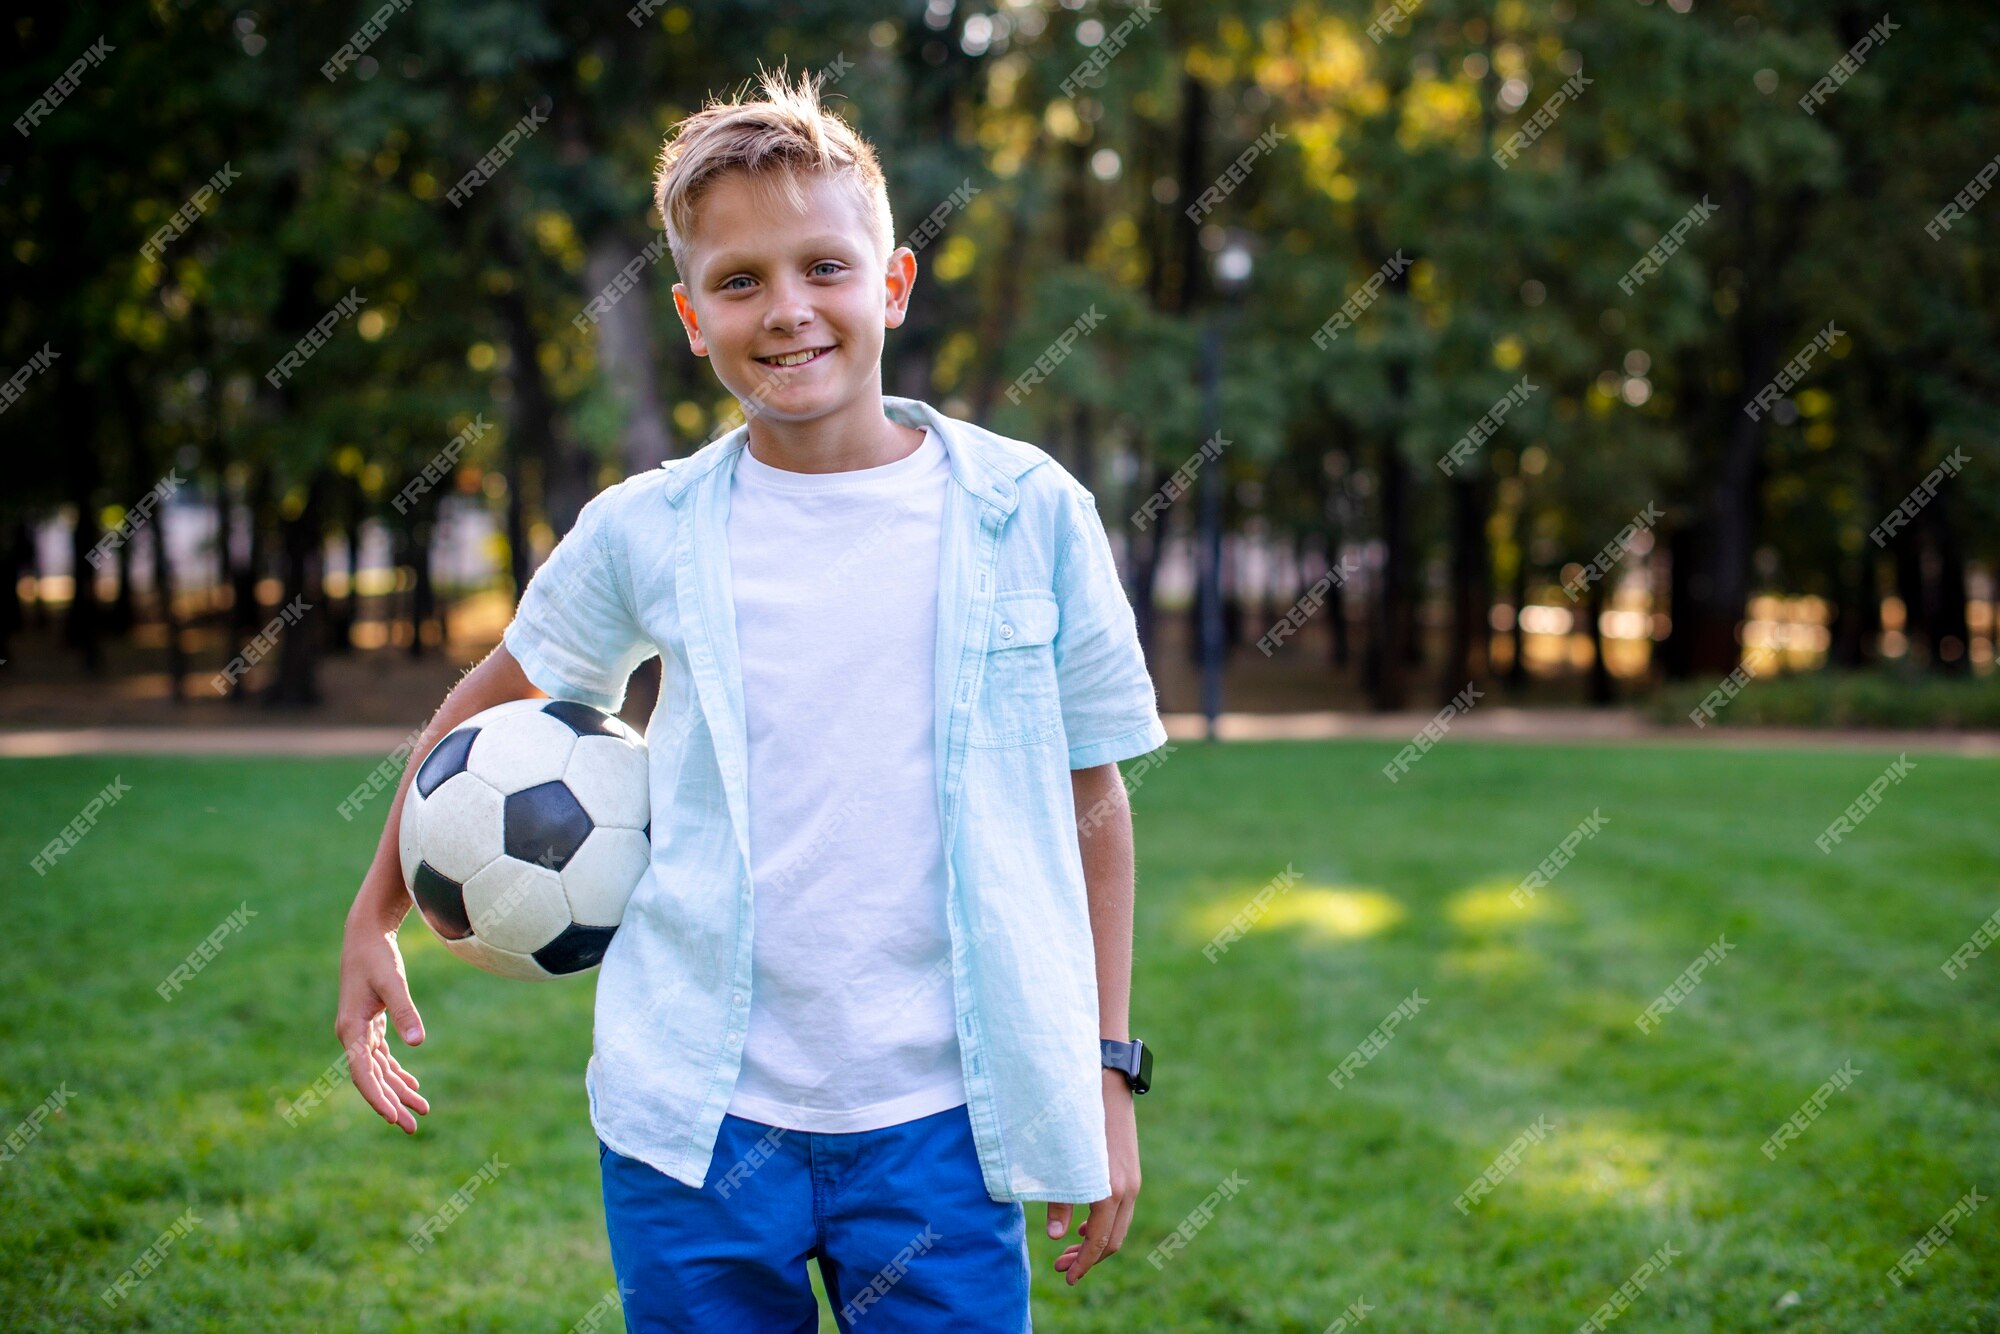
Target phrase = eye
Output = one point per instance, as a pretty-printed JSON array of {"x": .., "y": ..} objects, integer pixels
[
  {"x": 729, "y": 284},
  {"x": 833, "y": 264}
]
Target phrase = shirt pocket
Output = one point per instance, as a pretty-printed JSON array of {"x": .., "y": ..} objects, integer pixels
[{"x": 1019, "y": 702}]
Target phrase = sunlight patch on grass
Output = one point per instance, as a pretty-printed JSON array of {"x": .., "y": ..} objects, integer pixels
[
  {"x": 1604, "y": 1158},
  {"x": 1345, "y": 912},
  {"x": 1490, "y": 903}
]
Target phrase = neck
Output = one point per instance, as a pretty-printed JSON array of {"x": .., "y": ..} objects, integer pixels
[{"x": 857, "y": 435}]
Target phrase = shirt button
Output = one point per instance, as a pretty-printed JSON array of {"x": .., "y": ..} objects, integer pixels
[
  {"x": 735, "y": 1038},
  {"x": 737, "y": 999},
  {"x": 1006, "y": 632}
]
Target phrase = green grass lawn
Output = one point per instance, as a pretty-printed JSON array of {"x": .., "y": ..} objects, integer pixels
[{"x": 1527, "y": 1018}]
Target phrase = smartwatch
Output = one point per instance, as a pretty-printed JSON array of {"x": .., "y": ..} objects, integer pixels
[{"x": 1133, "y": 1059}]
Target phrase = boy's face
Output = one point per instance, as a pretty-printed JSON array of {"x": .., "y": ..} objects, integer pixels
[{"x": 768, "y": 280}]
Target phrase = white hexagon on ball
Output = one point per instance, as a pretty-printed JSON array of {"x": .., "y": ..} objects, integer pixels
[
  {"x": 608, "y": 776},
  {"x": 520, "y": 750},
  {"x": 600, "y": 878},
  {"x": 516, "y": 905},
  {"x": 462, "y": 827}
]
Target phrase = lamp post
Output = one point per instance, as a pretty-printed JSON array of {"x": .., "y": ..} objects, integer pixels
[{"x": 1230, "y": 269}]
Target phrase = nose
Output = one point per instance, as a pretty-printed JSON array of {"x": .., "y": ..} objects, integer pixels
[{"x": 788, "y": 312}]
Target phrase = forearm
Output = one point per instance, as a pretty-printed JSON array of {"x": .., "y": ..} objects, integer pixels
[
  {"x": 1104, "y": 836},
  {"x": 382, "y": 900}
]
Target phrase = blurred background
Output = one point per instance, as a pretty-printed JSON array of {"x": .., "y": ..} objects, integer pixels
[
  {"x": 1625, "y": 372},
  {"x": 323, "y": 302}
]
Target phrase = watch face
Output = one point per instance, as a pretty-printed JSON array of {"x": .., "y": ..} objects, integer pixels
[{"x": 1132, "y": 1059}]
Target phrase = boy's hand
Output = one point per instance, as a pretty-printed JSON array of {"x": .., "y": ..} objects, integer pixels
[
  {"x": 1104, "y": 1227},
  {"x": 372, "y": 987},
  {"x": 371, "y": 967}
]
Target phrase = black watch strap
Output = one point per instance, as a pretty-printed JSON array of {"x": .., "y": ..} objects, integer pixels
[{"x": 1132, "y": 1059}]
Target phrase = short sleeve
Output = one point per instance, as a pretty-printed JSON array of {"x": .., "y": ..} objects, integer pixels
[
  {"x": 1108, "y": 708},
  {"x": 575, "y": 632}
]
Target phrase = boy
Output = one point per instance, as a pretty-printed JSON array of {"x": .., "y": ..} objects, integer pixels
[{"x": 870, "y": 994}]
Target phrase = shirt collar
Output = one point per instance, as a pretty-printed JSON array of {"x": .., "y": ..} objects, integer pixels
[{"x": 985, "y": 464}]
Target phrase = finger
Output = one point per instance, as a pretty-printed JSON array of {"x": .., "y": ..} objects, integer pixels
[
  {"x": 1083, "y": 1253},
  {"x": 1097, "y": 1233},
  {"x": 373, "y": 1047},
  {"x": 1059, "y": 1215},
  {"x": 399, "y": 1083},
  {"x": 361, "y": 1069},
  {"x": 1128, "y": 1204},
  {"x": 404, "y": 1009},
  {"x": 391, "y": 1106},
  {"x": 396, "y": 1065},
  {"x": 395, "y": 1083},
  {"x": 1070, "y": 1253}
]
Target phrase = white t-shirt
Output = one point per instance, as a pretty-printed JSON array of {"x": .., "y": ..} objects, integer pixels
[{"x": 853, "y": 1025}]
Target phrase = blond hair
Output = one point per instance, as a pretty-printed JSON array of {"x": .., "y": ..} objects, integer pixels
[{"x": 784, "y": 134}]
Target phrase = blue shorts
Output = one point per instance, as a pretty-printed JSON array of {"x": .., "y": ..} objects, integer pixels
[{"x": 906, "y": 1234}]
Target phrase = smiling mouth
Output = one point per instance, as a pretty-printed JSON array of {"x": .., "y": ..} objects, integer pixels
[{"x": 792, "y": 360}]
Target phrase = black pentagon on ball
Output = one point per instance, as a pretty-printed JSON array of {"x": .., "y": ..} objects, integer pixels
[
  {"x": 581, "y": 718},
  {"x": 447, "y": 757},
  {"x": 442, "y": 902},
  {"x": 545, "y": 824},
  {"x": 577, "y": 948}
]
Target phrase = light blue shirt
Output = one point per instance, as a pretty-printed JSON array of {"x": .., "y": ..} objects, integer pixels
[{"x": 1038, "y": 672}]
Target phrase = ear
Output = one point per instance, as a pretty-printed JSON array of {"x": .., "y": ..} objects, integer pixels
[
  {"x": 901, "y": 278},
  {"x": 689, "y": 320}
]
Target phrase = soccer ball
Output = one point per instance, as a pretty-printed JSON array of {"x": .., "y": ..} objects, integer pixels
[{"x": 523, "y": 834}]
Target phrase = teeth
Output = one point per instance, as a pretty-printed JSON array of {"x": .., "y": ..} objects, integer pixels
[{"x": 795, "y": 358}]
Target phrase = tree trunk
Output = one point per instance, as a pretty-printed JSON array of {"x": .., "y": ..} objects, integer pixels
[
  {"x": 533, "y": 427},
  {"x": 83, "y": 627},
  {"x": 1726, "y": 529},
  {"x": 1601, "y": 689},
  {"x": 214, "y": 452},
  {"x": 1229, "y": 577},
  {"x": 15, "y": 564},
  {"x": 1949, "y": 636},
  {"x": 423, "y": 594},
  {"x": 297, "y": 685},
  {"x": 225, "y": 527},
  {"x": 132, "y": 409},
  {"x": 1147, "y": 548},
  {"x": 122, "y": 615},
  {"x": 1186, "y": 283},
  {"x": 1465, "y": 654},
  {"x": 1388, "y": 654},
  {"x": 50, "y": 286},
  {"x": 1912, "y": 589},
  {"x": 1857, "y": 615},
  {"x": 170, "y": 618},
  {"x": 625, "y": 347},
  {"x": 248, "y": 616},
  {"x": 1340, "y": 653},
  {"x": 1517, "y": 670}
]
